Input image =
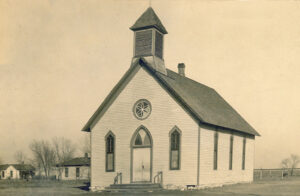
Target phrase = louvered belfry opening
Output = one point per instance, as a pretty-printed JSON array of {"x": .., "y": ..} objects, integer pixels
[{"x": 149, "y": 35}]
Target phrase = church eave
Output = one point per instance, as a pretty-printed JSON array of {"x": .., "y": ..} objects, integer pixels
[
  {"x": 164, "y": 31},
  {"x": 111, "y": 96},
  {"x": 141, "y": 62},
  {"x": 195, "y": 115}
]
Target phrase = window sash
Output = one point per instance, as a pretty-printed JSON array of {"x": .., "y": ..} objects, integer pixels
[
  {"x": 175, "y": 140},
  {"x": 66, "y": 172},
  {"x": 174, "y": 159},
  {"x": 175, "y": 150},
  {"x": 231, "y": 153},
  {"x": 110, "y": 153},
  {"x": 216, "y": 138},
  {"x": 244, "y": 154},
  {"x": 110, "y": 162},
  {"x": 110, "y": 144},
  {"x": 77, "y": 172}
]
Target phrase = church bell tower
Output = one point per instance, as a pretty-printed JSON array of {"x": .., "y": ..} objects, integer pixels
[{"x": 149, "y": 40}]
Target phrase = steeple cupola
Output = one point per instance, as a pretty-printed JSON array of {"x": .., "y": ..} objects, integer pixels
[{"x": 149, "y": 40}]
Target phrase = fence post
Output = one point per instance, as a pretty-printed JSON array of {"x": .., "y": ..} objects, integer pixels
[{"x": 261, "y": 174}]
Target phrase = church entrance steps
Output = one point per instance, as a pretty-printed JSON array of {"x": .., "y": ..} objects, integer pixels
[{"x": 135, "y": 187}]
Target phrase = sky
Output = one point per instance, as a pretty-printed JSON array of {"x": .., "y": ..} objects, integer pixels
[{"x": 59, "y": 60}]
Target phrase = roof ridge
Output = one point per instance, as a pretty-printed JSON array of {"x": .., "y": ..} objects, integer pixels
[{"x": 190, "y": 79}]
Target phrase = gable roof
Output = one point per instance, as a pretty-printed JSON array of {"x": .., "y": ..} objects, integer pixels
[
  {"x": 79, "y": 161},
  {"x": 4, "y": 167},
  {"x": 205, "y": 103},
  {"x": 20, "y": 167},
  {"x": 149, "y": 19},
  {"x": 201, "y": 101},
  {"x": 112, "y": 95}
]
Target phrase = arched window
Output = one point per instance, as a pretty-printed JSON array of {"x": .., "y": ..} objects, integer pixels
[
  {"x": 175, "y": 149},
  {"x": 110, "y": 152},
  {"x": 142, "y": 138}
]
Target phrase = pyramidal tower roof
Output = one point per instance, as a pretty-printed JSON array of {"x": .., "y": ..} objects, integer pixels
[{"x": 149, "y": 19}]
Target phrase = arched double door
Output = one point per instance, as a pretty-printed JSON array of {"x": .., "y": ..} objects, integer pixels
[{"x": 141, "y": 156}]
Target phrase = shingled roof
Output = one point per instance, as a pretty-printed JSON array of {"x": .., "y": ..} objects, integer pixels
[
  {"x": 204, "y": 102},
  {"x": 4, "y": 167},
  {"x": 79, "y": 161},
  {"x": 201, "y": 101},
  {"x": 20, "y": 167},
  {"x": 149, "y": 19}
]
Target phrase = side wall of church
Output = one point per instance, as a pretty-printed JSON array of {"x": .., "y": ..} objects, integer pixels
[
  {"x": 166, "y": 113},
  {"x": 222, "y": 175}
]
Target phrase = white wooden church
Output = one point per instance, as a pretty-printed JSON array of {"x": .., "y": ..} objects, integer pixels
[{"x": 160, "y": 127}]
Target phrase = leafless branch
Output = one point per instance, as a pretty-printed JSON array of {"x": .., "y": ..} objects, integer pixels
[{"x": 20, "y": 157}]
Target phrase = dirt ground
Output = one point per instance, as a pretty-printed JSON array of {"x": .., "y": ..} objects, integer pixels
[{"x": 271, "y": 187}]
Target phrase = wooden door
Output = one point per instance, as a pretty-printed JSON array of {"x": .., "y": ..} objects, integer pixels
[{"x": 141, "y": 164}]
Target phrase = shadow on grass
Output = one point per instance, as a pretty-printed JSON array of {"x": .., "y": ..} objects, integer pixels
[{"x": 85, "y": 187}]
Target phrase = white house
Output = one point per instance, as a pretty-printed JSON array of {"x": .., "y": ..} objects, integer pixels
[
  {"x": 16, "y": 171},
  {"x": 74, "y": 169},
  {"x": 159, "y": 126}
]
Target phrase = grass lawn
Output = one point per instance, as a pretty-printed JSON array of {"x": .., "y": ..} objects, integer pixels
[{"x": 270, "y": 187}]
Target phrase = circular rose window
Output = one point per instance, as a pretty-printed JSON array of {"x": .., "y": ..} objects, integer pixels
[{"x": 142, "y": 109}]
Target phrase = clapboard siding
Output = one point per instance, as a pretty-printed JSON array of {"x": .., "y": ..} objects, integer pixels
[
  {"x": 166, "y": 113},
  {"x": 84, "y": 173},
  {"x": 211, "y": 177},
  {"x": 16, "y": 173}
]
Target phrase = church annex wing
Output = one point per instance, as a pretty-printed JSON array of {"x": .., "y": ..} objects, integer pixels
[{"x": 203, "y": 103}]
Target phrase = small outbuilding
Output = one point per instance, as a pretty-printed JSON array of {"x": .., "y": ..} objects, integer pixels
[
  {"x": 16, "y": 171},
  {"x": 74, "y": 169}
]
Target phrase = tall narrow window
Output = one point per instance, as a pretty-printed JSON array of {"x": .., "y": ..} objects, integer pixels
[
  {"x": 77, "y": 172},
  {"x": 110, "y": 153},
  {"x": 3, "y": 174},
  {"x": 11, "y": 174},
  {"x": 216, "y": 138},
  {"x": 244, "y": 153},
  {"x": 175, "y": 150},
  {"x": 230, "y": 152},
  {"x": 66, "y": 172}
]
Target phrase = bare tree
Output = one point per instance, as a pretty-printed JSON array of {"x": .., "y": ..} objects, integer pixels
[
  {"x": 20, "y": 157},
  {"x": 64, "y": 151},
  {"x": 285, "y": 163},
  {"x": 85, "y": 144},
  {"x": 295, "y": 159},
  {"x": 43, "y": 155}
]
